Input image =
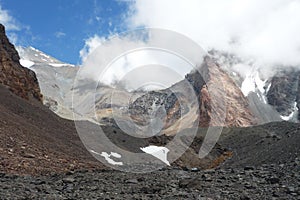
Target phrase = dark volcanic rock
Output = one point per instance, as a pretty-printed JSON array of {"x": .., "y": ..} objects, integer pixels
[
  {"x": 284, "y": 91},
  {"x": 18, "y": 79}
]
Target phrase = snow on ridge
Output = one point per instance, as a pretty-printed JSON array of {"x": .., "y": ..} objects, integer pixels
[
  {"x": 60, "y": 64},
  {"x": 42, "y": 54}
]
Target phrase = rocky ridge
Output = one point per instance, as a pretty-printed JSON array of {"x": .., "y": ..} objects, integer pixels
[{"x": 16, "y": 78}]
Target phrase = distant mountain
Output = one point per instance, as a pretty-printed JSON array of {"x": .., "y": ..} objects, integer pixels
[
  {"x": 250, "y": 98},
  {"x": 183, "y": 110},
  {"x": 55, "y": 78},
  {"x": 273, "y": 93}
]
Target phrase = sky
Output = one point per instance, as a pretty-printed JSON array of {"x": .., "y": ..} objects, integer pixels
[
  {"x": 266, "y": 31},
  {"x": 60, "y": 27}
]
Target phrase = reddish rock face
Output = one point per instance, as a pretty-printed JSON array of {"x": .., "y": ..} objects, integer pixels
[
  {"x": 16, "y": 78},
  {"x": 227, "y": 106}
]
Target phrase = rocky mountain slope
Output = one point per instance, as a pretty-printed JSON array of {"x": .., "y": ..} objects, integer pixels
[
  {"x": 218, "y": 101},
  {"x": 33, "y": 139},
  {"x": 284, "y": 93},
  {"x": 55, "y": 79},
  {"x": 18, "y": 79},
  {"x": 272, "y": 91}
]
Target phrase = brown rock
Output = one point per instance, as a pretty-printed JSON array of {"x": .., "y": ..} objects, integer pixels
[{"x": 16, "y": 78}]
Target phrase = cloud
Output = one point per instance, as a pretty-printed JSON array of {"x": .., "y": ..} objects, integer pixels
[
  {"x": 127, "y": 59},
  {"x": 59, "y": 34},
  {"x": 266, "y": 30},
  {"x": 90, "y": 45},
  {"x": 8, "y": 21}
]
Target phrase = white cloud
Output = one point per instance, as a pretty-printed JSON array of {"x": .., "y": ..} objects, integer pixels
[
  {"x": 128, "y": 59},
  {"x": 8, "y": 21},
  {"x": 267, "y": 30},
  {"x": 90, "y": 45},
  {"x": 59, "y": 34}
]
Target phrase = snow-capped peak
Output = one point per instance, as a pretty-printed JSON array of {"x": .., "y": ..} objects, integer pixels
[{"x": 31, "y": 56}]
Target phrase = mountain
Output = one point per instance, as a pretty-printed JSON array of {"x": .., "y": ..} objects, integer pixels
[
  {"x": 215, "y": 107},
  {"x": 272, "y": 92},
  {"x": 57, "y": 87},
  {"x": 55, "y": 78},
  {"x": 284, "y": 93}
]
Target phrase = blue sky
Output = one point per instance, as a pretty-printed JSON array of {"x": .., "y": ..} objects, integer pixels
[{"x": 60, "y": 27}]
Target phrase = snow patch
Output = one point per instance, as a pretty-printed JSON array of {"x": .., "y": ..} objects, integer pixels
[
  {"x": 108, "y": 157},
  {"x": 57, "y": 64},
  {"x": 248, "y": 85},
  {"x": 26, "y": 63},
  {"x": 290, "y": 116},
  {"x": 34, "y": 49},
  {"x": 268, "y": 88},
  {"x": 158, "y": 152},
  {"x": 253, "y": 83}
]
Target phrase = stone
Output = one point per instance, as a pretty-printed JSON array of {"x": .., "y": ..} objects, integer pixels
[
  {"x": 273, "y": 180},
  {"x": 68, "y": 180}
]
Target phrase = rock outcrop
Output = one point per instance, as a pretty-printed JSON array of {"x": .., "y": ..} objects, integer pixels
[
  {"x": 18, "y": 79},
  {"x": 283, "y": 94},
  {"x": 229, "y": 107}
]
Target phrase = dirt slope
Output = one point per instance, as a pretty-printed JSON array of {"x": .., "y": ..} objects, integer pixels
[{"x": 34, "y": 140}]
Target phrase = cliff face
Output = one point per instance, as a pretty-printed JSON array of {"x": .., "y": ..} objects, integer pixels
[
  {"x": 16, "y": 78},
  {"x": 227, "y": 100},
  {"x": 284, "y": 93}
]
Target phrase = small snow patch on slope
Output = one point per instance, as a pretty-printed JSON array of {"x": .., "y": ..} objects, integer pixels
[
  {"x": 26, "y": 63},
  {"x": 253, "y": 83},
  {"x": 108, "y": 157},
  {"x": 248, "y": 85},
  {"x": 290, "y": 116},
  {"x": 158, "y": 152}
]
